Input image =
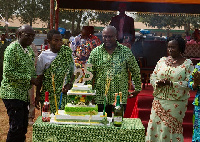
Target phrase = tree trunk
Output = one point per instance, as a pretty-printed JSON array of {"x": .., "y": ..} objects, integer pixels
[
  {"x": 6, "y": 20},
  {"x": 187, "y": 27},
  {"x": 31, "y": 22},
  {"x": 73, "y": 21},
  {"x": 78, "y": 28},
  {"x": 168, "y": 30}
]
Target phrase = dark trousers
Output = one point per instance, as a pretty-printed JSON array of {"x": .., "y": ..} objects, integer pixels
[
  {"x": 17, "y": 111},
  {"x": 109, "y": 109}
]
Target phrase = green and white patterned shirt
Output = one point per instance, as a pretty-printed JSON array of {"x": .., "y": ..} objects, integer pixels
[
  {"x": 18, "y": 69},
  {"x": 61, "y": 65},
  {"x": 116, "y": 67}
]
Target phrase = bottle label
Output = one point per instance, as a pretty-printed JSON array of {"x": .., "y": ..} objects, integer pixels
[
  {"x": 117, "y": 107},
  {"x": 117, "y": 119},
  {"x": 112, "y": 115},
  {"x": 45, "y": 114}
]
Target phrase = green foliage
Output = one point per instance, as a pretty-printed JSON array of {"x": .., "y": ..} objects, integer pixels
[
  {"x": 104, "y": 18},
  {"x": 76, "y": 18},
  {"x": 30, "y": 10},
  {"x": 169, "y": 22},
  {"x": 7, "y": 9}
]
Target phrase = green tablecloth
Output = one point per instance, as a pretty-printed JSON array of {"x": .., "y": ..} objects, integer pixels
[{"x": 131, "y": 130}]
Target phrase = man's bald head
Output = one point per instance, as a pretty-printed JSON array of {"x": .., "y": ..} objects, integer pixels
[
  {"x": 111, "y": 29},
  {"x": 26, "y": 35},
  {"x": 25, "y": 29},
  {"x": 109, "y": 35}
]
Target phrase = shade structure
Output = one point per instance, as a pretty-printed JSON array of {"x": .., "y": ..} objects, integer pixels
[{"x": 159, "y": 6}]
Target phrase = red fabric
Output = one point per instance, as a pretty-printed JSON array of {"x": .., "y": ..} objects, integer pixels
[
  {"x": 192, "y": 50},
  {"x": 129, "y": 107},
  {"x": 46, "y": 47},
  {"x": 135, "y": 109}
]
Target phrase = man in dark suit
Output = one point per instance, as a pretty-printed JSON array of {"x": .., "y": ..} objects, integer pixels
[{"x": 124, "y": 25}]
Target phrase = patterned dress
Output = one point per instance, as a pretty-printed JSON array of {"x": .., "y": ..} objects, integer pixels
[
  {"x": 61, "y": 65},
  {"x": 196, "y": 103},
  {"x": 114, "y": 67},
  {"x": 170, "y": 103},
  {"x": 83, "y": 47}
]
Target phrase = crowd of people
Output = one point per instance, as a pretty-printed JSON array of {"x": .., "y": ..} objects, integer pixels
[{"x": 26, "y": 76}]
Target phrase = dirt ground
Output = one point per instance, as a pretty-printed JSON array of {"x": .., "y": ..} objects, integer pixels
[{"x": 4, "y": 126}]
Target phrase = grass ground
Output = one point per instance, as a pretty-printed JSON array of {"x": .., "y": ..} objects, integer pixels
[{"x": 4, "y": 126}]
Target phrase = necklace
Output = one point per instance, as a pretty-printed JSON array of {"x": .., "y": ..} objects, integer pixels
[{"x": 171, "y": 61}]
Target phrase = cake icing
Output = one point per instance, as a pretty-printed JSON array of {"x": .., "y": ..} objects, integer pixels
[
  {"x": 79, "y": 88},
  {"x": 81, "y": 109}
]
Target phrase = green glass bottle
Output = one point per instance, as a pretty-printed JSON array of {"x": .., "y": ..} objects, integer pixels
[{"x": 118, "y": 113}]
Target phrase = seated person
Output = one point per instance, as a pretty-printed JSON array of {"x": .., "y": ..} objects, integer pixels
[{"x": 56, "y": 61}]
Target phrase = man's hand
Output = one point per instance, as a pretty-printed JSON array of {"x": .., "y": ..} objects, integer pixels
[
  {"x": 37, "y": 100},
  {"x": 35, "y": 81},
  {"x": 133, "y": 94},
  {"x": 38, "y": 88},
  {"x": 66, "y": 88}
]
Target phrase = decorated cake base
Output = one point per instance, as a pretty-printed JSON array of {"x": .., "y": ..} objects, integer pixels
[
  {"x": 63, "y": 118},
  {"x": 81, "y": 109}
]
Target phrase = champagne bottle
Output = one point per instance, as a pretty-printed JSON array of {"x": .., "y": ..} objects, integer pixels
[
  {"x": 46, "y": 109},
  {"x": 113, "y": 106},
  {"x": 121, "y": 105},
  {"x": 118, "y": 113}
]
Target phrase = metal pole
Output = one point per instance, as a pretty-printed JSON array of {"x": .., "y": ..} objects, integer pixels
[
  {"x": 51, "y": 13},
  {"x": 57, "y": 16}
]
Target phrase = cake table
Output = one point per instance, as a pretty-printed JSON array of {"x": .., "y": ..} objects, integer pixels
[{"x": 132, "y": 130}]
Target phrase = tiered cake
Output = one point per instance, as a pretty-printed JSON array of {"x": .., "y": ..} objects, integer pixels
[{"x": 80, "y": 108}]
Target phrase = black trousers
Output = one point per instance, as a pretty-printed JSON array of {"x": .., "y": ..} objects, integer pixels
[
  {"x": 17, "y": 111},
  {"x": 109, "y": 109}
]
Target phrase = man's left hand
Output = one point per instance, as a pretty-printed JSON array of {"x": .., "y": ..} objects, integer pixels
[
  {"x": 35, "y": 81},
  {"x": 66, "y": 88},
  {"x": 133, "y": 94}
]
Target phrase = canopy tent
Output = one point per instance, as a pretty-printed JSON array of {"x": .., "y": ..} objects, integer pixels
[
  {"x": 155, "y": 6},
  {"x": 163, "y": 6}
]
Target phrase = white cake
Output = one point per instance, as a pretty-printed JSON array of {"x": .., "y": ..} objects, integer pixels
[
  {"x": 79, "y": 88},
  {"x": 63, "y": 118}
]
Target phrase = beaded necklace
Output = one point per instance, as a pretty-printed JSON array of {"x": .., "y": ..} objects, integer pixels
[{"x": 171, "y": 61}]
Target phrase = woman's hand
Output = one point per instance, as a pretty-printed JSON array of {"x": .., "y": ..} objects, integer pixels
[{"x": 163, "y": 82}]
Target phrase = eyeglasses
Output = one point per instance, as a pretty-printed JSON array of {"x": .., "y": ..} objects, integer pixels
[
  {"x": 109, "y": 36},
  {"x": 29, "y": 35}
]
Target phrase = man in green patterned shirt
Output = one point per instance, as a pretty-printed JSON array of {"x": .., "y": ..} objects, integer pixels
[
  {"x": 111, "y": 61},
  {"x": 18, "y": 77},
  {"x": 57, "y": 60}
]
